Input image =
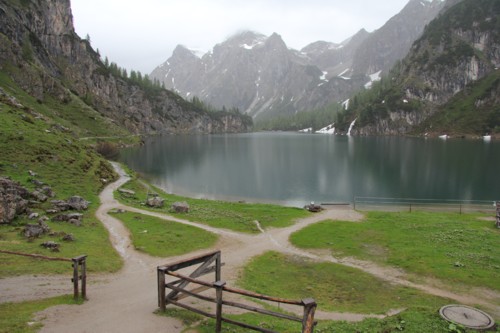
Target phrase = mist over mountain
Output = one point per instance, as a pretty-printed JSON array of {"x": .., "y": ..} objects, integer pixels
[{"x": 262, "y": 77}]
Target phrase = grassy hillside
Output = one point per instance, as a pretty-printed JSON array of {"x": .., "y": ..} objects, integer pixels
[{"x": 44, "y": 138}]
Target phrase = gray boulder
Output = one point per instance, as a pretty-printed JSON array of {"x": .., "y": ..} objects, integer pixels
[
  {"x": 78, "y": 203},
  {"x": 33, "y": 216},
  {"x": 68, "y": 238},
  {"x": 38, "y": 195},
  {"x": 53, "y": 246},
  {"x": 35, "y": 230},
  {"x": 75, "y": 203},
  {"x": 155, "y": 202},
  {"x": 48, "y": 191},
  {"x": 73, "y": 218},
  {"x": 180, "y": 207},
  {"x": 59, "y": 206}
]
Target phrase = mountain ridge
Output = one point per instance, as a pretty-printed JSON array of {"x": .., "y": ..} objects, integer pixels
[{"x": 319, "y": 74}]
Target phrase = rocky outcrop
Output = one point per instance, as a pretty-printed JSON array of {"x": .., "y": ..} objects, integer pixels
[
  {"x": 14, "y": 200},
  {"x": 39, "y": 38}
]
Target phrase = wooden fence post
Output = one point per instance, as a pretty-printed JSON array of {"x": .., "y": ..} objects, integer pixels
[
  {"x": 79, "y": 261},
  {"x": 218, "y": 265},
  {"x": 218, "y": 314},
  {"x": 75, "y": 278},
  {"x": 161, "y": 289},
  {"x": 308, "y": 319},
  {"x": 84, "y": 278}
]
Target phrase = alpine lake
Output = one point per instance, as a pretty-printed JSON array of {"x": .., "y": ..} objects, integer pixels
[{"x": 295, "y": 169}]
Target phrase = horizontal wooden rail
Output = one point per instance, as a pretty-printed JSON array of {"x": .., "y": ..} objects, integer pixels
[
  {"x": 79, "y": 261},
  {"x": 180, "y": 264},
  {"x": 262, "y": 311},
  {"x": 36, "y": 256},
  {"x": 229, "y": 303},
  {"x": 236, "y": 291}
]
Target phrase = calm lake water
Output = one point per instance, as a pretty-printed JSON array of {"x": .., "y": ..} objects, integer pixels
[{"x": 295, "y": 169}]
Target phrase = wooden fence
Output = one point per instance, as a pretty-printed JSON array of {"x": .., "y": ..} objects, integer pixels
[
  {"x": 429, "y": 205},
  {"x": 79, "y": 265},
  {"x": 211, "y": 263}
]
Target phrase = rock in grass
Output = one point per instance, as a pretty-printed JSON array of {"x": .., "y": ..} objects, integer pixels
[
  {"x": 75, "y": 202},
  {"x": 73, "y": 218},
  {"x": 126, "y": 192},
  {"x": 180, "y": 207},
  {"x": 68, "y": 238},
  {"x": 53, "y": 246},
  {"x": 155, "y": 202},
  {"x": 39, "y": 196},
  {"x": 78, "y": 203}
]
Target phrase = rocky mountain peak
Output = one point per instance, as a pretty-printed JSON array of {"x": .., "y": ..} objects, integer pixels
[
  {"x": 360, "y": 36},
  {"x": 261, "y": 76},
  {"x": 275, "y": 42},
  {"x": 182, "y": 52},
  {"x": 246, "y": 37}
]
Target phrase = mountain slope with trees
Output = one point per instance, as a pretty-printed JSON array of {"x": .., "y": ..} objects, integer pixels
[
  {"x": 43, "y": 55},
  {"x": 448, "y": 84}
]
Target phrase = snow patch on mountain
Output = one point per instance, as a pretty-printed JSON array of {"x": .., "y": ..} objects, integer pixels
[{"x": 373, "y": 78}]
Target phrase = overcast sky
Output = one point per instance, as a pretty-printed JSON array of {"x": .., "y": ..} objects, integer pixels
[{"x": 142, "y": 34}]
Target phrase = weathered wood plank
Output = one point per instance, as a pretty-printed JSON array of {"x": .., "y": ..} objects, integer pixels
[
  {"x": 251, "y": 327},
  {"x": 37, "y": 256},
  {"x": 175, "y": 266},
  {"x": 262, "y": 311}
]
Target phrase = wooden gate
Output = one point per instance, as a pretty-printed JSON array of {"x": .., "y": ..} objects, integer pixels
[{"x": 211, "y": 263}]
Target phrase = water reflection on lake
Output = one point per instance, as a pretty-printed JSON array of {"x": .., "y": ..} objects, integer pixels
[{"x": 299, "y": 168}]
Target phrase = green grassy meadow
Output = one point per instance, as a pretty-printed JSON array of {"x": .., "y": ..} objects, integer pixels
[
  {"x": 456, "y": 249},
  {"x": 219, "y": 214},
  {"x": 161, "y": 238},
  {"x": 20, "y": 317},
  {"x": 335, "y": 287}
]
